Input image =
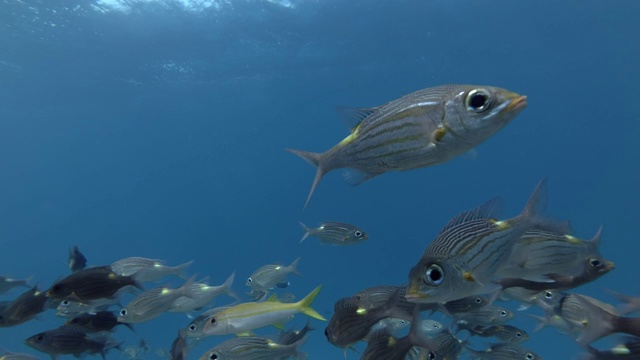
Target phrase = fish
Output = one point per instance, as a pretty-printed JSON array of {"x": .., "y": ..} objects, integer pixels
[
  {"x": 179, "y": 347},
  {"x": 539, "y": 252},
  {"x": 100, "y": 321},
  {"x": 447, "y": 344},
  {"x": 252, "y": 315},
  {"x": 292, "y": 336},
  {"x": 7, "y": 284},
  {"x": 629, "y": 349},
  {"x": 148, "y": 270},
  {"x": 7, "y": 355},
  {"x": 70, "y": 308},
  {"x": 351, "y": 322},
  {"x": 466, "y": 304},
  {"x": 504, "y": 352},
  {"x": 629, "y": 304},
  {"x": 24, "y": 308},
  {"x": 152, "y": 303},
  {"x": 424, "y": 128},
  {"x": 335, "y": 233},
  {"x": 253, "y": 348},
  {"x": 486, "y": 316},
  {"x": 464, "y": 257},
  {"x": 91, "y": 284},
  {"x": 268, "y": 276},
  {"x": 202, "y": 294},
  {"x": 77, "y": 261},
  {"x": 195, "y": 329},
  {"x": 67, "y": 340},
  {"x": 384, "y": 346},
  {"x": 505, "y": 333}
]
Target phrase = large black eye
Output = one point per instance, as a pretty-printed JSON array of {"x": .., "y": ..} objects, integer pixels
[
  {"x": 213, "y": 356},
  {"x": 478, "y": 100},
  {"x": 479, "y": 300},
  {"x": 595, "y": 263},
  {"x": 504, "y": 313},
  {"x": 431, "y": 355},
  {"x": 213, "y": 321},
  {"x": 358, "y": 233},
  {"x": 548, "y": 295},
  {"x": 39, "y": 337},
  {"x": 434, "y": 275},
  {"x": 123, "y": 312},
  {"x": 529, "y": 356},
  {"x": 249, "y": 280},
  {"x": 192, "y": 328},
  {"x": 518, "y": 334}
]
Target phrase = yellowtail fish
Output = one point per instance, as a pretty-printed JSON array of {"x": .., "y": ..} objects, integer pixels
[
  {"x": 466, "y": 254},
  {"x": 424, "y": 128},
  {"x": 252, "y": 315}
]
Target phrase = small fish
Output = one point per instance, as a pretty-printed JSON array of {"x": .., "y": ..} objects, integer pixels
[
  {"x": 388, "y": 347},
  {"x": 505, "y": 333},
  {"x": 253, "y": 348},
  {"x": 195, "y": 329},
  {"x": 467, "y": 304},
  {"x": 77, "y": 261},
  {"x": 351, "y": 322},
  {"x": 447, "y": 344},
  {"x": 203, "y": 294},
  {"x": 152, "y": 303},
  {"x": 335, "y": 233},
  {"x": 252, "y": 315},
  {"x": 425, "y": 128},
  {"x": 24, "y": 308},
  {"x": 504, "y": 352},
  {"x": 67, "y": 340},
  {"x": 70, "y": 308},
  {"x": 100, "y": 321},
  {"x": 268, "y": 276},
  {"x": 179, "y": 347},
  {"x": 469, "y": 250},
  {"x": 91, "y": 284},
  {"x": 292, "y": 336},
  {"x": 7, "y": 355},
  {"x": 148, "y": 270},
  {"x": 485, "y": 316},
  {"x": 7, "y": 284}
]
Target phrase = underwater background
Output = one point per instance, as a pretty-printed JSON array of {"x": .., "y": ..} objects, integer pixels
[{"x": 158, "y": 128}]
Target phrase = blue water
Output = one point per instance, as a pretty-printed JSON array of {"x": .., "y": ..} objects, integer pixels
[{"x": 157, "y": 129}]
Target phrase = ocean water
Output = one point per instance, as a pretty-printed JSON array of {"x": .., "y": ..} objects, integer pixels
[{"x": 156, "y": 128}]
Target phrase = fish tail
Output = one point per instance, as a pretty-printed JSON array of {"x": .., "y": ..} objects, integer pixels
[
  {"x": 305, "y": 304},
  {"x": 307, "y": 231},
  {"x": 227, "y": 285},
  {"x": 180, "y": 269},
  {"x": 314, "y": 159},
  {"x": 627, "y": 325},
  {"x": 294, "y": 266}
]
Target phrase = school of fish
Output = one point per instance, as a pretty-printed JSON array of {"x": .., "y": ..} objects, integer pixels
[{"x": 450, "y": 306}]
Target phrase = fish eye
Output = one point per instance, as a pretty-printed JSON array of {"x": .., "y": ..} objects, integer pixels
[
  {"x": 595, "y": 263},
  {"x": 518, "y": 334},
  {"x": 123, "y": 312},
  {"x": 529, "y": 356},
  {"x": 249, "y": 280},
  {"x": 479, "y": 300},
  {"x": 56, "y": 288},
  {"x": 65, "y": 303},
  {"x": 434, "y": 275},
  {"x": 213, "y": 356},
  {"x": 431, "y": 355},
  {"x": 503, "y": 313},
  {"x": 39, "y": 337},
  {"x": 478, "y": 100},
  {"x": 358, "y": 233},
  {"x": 213, "y": 321},
  {"x": 358, "y": 297},
  {"x": 192, "y": 327},
  {"x": 548, "y": 295}
]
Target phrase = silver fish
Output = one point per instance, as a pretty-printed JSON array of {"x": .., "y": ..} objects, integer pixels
[
  {"x": 148, "y": 270},
  {"x": 152, "y": 303},
  {"x": 467, "y": 253},
  {"x": 77, "y": 261},
  {"x": 540, "y": 252},
  {"x": 268, "y": 276},
  {"x": 424, "y": 128},
  {"x": 335, "y": 233},
  {"x": 7, "y": 355},
  {"x": 253, "y": 348},
  {"x": 505, "y": 333},
  {"x": 505, "y": 352},
  {"x": 195, "y": 329},
  {"x": 201, "y": 295},
  {"x": 486, "y": 316}
]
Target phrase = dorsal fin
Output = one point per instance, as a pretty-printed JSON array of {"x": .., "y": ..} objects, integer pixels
[
  {"x": 488, "y": 210},
  {"x": 353, "y": 116}
]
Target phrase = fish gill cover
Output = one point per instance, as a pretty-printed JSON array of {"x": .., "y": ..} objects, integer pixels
[{"x": 158, "y": 129}]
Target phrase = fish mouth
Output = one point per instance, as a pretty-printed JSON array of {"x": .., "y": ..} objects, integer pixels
[
  {"x": 416, "y": 297},
  {"x": 518, "y": 103}
]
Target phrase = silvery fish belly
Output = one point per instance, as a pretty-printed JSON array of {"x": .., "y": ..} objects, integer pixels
[{"x": 427, "y": 127}]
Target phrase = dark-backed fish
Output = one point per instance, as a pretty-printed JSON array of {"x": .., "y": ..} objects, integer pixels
[
  {"x": 91, "y": 284},
  {"x": 77, "y": 261}
]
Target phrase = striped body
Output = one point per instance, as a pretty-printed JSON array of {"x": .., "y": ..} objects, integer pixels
[
  {"x": 253, "y": 348},
  {"x": 336, "y": 233},
  {"x": 468, "y": 252},
  {"x": 424, "y": 128}
]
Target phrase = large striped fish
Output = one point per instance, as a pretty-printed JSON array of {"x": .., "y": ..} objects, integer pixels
[
  {"x": 463, "y": 259},
  {"x": 427, "y": 127}
]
